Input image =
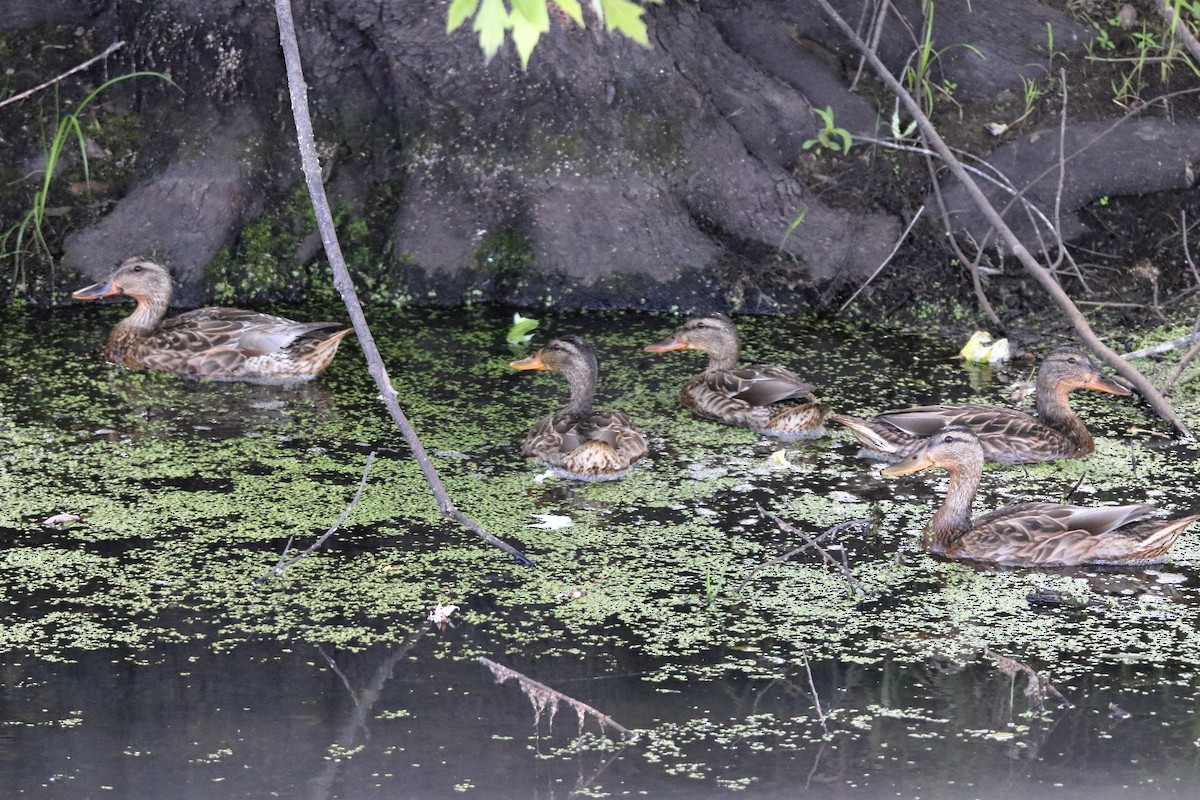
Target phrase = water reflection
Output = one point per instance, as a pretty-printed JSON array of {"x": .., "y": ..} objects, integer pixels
[{"x": 297, "y": 721}]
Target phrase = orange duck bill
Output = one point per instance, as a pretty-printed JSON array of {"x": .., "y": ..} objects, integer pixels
[
  {"x": 1100, "y": 383},
  {"x": 532, "y": 362},
  {"x": 673, "y": 342},
  {"x": 96, "y": 291},
  {"x": 911, "y": 464}
]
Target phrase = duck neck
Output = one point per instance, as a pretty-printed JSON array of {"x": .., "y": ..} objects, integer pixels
[
  {"x": 722, "y": 358},
  {"x": 583, "y": 387},
  {"x": 146, "y": 316},
  {"x": 1054, "y": 411},
  {"x": 953, "y": 519}
]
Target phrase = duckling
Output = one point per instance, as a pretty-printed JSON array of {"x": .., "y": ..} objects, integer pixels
[
  {"x": 766, "y": 398},
  {"x": 580, "y": 442}
]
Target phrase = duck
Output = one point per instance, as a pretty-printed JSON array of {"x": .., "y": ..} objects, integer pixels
[
  {"x": 1031, "y": 534},
  {"x": 766, "y": 398},
  {"x": 218, "y": 343},
  {"x": 580, "y": 442},
  {"x": 1007, "y": 435}
]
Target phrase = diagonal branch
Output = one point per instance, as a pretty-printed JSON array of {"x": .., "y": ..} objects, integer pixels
[
  {"x": 1171, "y": 13},
  {"x": 112, "y": 48},
  {"x": 1123, "y": 368},
  {"x": 341, "y": 278}
]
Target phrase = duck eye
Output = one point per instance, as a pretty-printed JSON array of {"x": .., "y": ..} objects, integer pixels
[
  {"x": 1072, "y": 360},
  {"x": 701, "y": 325},
  {"x": 139, "y": 268}
]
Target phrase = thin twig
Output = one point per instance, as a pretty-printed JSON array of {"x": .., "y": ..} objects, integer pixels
[
  {"x": 972, "y": 263},
  {"x": 886, "y": 261},
  {"x": 112, "y": 48},
  {"x": 1143, "y": 385},
  {"x": 544, "y": 698},
  {"x": 345, "y": 286},
  {"x": 829, "y": 532},
  {"x": 283, "y": 564},
  {"x": 1181, "y": 366},
  {"x": 1187, "y": 253},
  {"x": 813, "y": 687},
  {"x": 854, "y": 584}
]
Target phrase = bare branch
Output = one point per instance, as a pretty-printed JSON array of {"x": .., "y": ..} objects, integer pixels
[
  {"x": 886, "y": 261},
  {"x": 852, "y": 583},
  {"x": 1170, "y": 12},
  {"x": 112, "y": 48},
  {"x": 1161, "y": 347},
  {"x": 341, "y": 278},
  {"x": 278, "y": 569},
  {"x": 1037, "y": 688},
  {"x": 1187, "y": 359},
  {"x": 1014, "y": 244}
]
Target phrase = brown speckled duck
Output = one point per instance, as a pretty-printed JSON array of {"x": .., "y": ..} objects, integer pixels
[
  {"x": 766, "y": 398},
  {"x": 579, "y": 441},
  {"x": 1006, "y": 435},
  {"x": 224, "y": 344},
  {"x": 1031, "y": 534}
]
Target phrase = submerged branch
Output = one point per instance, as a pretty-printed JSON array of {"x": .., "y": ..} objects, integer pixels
[
  {"x": 357, "y": 727},
  {"x": 852, "y": 583},
  {"x": 278, "y": 569},
  {"x": 1042, "y": 275},
  {"x": 345, "y": 286},
  {"x": 544, "y": 698},
  {"x": 1037, "y": 688}
]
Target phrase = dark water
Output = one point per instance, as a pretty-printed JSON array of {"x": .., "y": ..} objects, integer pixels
[
  {"x": 143, "y": 661},
  {"x": 297, "y": 721}
]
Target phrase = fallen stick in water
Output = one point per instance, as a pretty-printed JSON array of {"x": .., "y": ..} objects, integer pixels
[{"x": 543, "y": 697}]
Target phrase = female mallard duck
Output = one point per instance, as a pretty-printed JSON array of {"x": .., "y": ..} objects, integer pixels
[
  {"x": 224, "y": 344},
  {"x": 1006, "y": 435},
  {"x": 1031, "y": 534},
  {"x": 579, "y": 441},
  {"x": 765, "y": 398}
]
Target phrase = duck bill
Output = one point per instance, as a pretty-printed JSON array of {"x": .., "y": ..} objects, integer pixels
[
  {"x": 96, "y": 291},
  {"x": 1102, "y": 384},
  {"x": 674, "y": 342},
  {"x": 532, "y": 362},
  {"x": 911, "y": 464}
]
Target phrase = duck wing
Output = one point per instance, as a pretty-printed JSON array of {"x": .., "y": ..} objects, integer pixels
[
  {"x": 1007, "y": 435},
  {"x": 248, "y": 332},
  {"x": 1050, "y": 534},
  {"x": 760, "y": 385}
]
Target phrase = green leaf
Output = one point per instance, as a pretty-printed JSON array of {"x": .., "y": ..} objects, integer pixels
[
  {"x": 491, "y": 22},
  {"x": 844, "y": 135},
  {"x": 533, "y": 11},
  {"x": 460, "y": 12},
  {"x": 525, "y": 36},
  {"x": 529, "y": 20},
  {"x": 573, "y": 10},
  {"x": 520, "y": 330},
  {"x": 626, "y": 16}
]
